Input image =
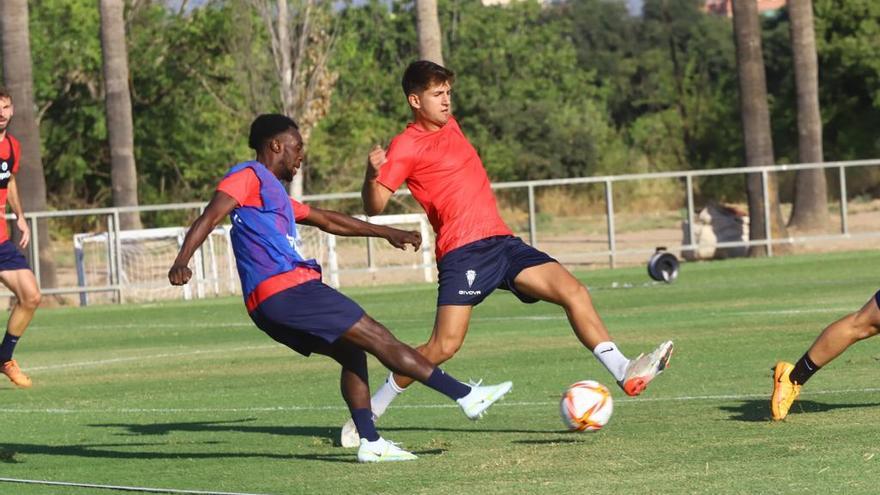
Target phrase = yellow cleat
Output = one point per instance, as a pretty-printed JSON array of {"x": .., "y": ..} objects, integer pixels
[
  {"x": 784, "y": 391},
  {"x": 10, "y": 369}
]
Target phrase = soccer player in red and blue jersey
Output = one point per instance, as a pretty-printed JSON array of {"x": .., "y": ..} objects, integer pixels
[
  {"x": 837, "y": 337},
  {"x": 476, "y": 251},
  {"x": 15, "y": 273},
  {"x": 283, "y": 292}
]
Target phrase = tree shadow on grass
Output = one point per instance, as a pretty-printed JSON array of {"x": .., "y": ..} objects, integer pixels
[
  {"x": 759, "y": 410},
  {"x": 9, "y": 453},
  {"x": 235, "y": 425},
  {"x": 119, "y": 451}
]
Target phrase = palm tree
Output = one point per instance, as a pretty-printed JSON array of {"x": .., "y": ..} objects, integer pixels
[
  {"x": 810, "y": 208},
  {"x": 117, "y": 101},
  {"x": 755, "y": 117},
  {"x": 18, "y": 77},
  {"x": 428, "y": 28}
]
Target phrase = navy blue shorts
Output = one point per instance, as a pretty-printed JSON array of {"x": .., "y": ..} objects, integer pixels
[
  {"x": 11, "y": 258},
  {"x": 468, "y": 274},
  {"x": 307, "y": 316}
]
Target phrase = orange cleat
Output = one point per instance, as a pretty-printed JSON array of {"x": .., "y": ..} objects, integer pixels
[
  {"x": 784, "y": 391},
  {"x": 10, "y": 369},
  {"x": 645, "y": 368}
]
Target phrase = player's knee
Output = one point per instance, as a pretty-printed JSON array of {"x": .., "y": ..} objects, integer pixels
[
  {"x": 31, "y": 300},
  {"x": 441, "y": 350},
  {"x": 866, "y": 330},
  {"x": 573, "y": 294},
  {"x": 864, "y": 325}
]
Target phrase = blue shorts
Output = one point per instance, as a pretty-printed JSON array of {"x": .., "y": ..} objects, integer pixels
[
  {"x": 307, "y": 316},
  {"x": 468, "y": 274},
  {"x": 11, "y": 258}
]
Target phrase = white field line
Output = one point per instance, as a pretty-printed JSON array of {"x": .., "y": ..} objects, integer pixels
[
  {"x": 625, "y": 400},
  {"x": 119, "y": 488},
  {"x": 101, "y": 362}
]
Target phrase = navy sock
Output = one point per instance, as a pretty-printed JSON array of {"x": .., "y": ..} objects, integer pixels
[
  {"x": 446, "y": 385},
  {"x": 7, "y": 347},
  {"x": 803, "y": 370},
  {"x": 363, "y": 421}
]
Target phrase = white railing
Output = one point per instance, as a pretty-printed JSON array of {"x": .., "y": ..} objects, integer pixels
[{"x": 608, "y": 182}]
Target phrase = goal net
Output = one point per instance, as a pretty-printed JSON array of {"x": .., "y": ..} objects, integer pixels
[{"x": 132, "y": 265}]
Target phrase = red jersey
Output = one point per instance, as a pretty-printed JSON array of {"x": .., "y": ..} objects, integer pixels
[
  {"x": 10, "y": 153},
  {"x": 244, "y": 187},
  {"x": 447, "y": 177}
]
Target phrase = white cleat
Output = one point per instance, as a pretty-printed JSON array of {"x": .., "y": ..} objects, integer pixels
[
  {"x": 349, "y": 437},
  {"x": 475, "y": 403},
  {"x": 645, "y": 368},
  {"x": 382, "y": 451}
]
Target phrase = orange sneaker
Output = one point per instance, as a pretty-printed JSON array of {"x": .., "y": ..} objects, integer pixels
[
  {"x": 10, "y": 369},
  {"x": 784, "y": 391},
  {"x": 645, "y": 368}
]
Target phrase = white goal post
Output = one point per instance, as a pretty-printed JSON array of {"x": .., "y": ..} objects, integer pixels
[{"x": 134, "y": 263}]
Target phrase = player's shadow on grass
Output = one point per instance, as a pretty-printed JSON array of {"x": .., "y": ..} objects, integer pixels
[
  {"x": 235, "y": 425},
  {"x": 464, "y": 429},
  {"x": 331, "y": 434},
  {"x": 350, "y": 456},
  {"x": 759, "y": 410},
  {"x": 549, "y": 441}
]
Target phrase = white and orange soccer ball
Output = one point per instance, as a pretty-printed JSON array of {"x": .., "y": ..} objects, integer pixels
[{"x": 586, "y": 406}]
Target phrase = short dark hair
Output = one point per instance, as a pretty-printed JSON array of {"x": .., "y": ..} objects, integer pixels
[
  {"x": 4, "y": 93},
  {"x": 423, "y": 74},
  {"x": 267, "y": 126}
]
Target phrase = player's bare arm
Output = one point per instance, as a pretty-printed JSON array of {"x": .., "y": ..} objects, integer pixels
[
  {"x": 374, "y": 195},
  {"x": 15, "y": 204},
  {"x": 220, "y": 206},
  {"x": 340, "y": 224}
]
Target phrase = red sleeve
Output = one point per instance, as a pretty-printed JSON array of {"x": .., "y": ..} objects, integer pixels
[
  {"x": 244, "y": 187},
  {"x": 400, "y": 161},
  {"x": 300, "y": 210},
  {"x": 16, "y": 148}
]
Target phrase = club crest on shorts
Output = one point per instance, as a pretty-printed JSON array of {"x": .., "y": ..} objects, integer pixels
[{"x": 470, "y": 276}]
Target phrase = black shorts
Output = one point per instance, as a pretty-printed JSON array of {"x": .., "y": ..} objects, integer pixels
[
  {"x": 468, "y": 274},
  {"x": 11, "y": 258},
  {"x": 306, "y": 316}
]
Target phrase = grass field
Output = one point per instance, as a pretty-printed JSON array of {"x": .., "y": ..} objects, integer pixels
[{"x": 191, "y": 396}]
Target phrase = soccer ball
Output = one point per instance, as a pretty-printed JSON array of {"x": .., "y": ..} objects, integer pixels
[{"x": 586, "y": 406}]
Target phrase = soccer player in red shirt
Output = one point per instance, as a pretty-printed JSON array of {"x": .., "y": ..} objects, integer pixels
[
  {"x": 837, "y": 337},
  {"x": 15, "y": 273},
  {"x": 476, "y": 251},
  {"x": 283, "y": 292}
]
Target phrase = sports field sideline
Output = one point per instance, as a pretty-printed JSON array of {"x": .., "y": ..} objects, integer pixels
[{"x": 191, "y": 397}]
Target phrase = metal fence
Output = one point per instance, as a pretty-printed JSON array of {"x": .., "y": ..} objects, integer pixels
[{"x": 588, "y": 247}]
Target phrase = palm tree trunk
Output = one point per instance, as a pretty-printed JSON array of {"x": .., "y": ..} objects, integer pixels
[
  {"x": 428, "y": 27},
  {"x": 755, "y": 117},
  {"x": 810, "y": 208},
  {"x": 18, "y": 77},
  {"x": 117, "y": 100}
]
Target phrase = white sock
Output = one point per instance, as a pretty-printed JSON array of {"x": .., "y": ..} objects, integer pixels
[
  {"x": 613, "y": 360},
  {"x": 385, "y": 395}
]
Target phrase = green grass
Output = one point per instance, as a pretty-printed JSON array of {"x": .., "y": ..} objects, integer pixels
[{"x": 192, "y": 396}]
